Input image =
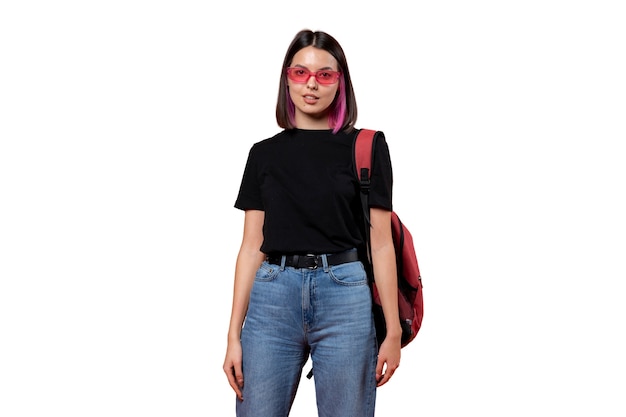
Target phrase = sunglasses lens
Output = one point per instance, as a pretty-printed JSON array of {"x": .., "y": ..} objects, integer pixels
[
  {"x": 298, "y": 75},
  {"x": 326, "y": 77}
]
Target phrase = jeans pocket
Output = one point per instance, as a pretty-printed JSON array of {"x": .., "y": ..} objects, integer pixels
[
  {"x": 350, "y": 273},
  {"x": 267, "y": 272}
]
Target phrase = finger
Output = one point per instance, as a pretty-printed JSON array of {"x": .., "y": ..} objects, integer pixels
[
  {"x": 235, "y": 382},
  {"x": 239, "y": 375},
  {"x": 380, "y": 366},
  {"x": 385, "y": 378},
  {"x": 385, "y": 373}
]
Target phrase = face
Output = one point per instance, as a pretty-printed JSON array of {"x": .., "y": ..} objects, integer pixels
[{"x": 311, "y": 98}]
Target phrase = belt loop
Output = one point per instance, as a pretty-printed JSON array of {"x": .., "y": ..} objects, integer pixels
[
  {"x": 325, "y": 262},
  {"x": 283, "y": 259}
]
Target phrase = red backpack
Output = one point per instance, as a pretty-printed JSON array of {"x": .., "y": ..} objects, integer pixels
[{"x": 410, "y": 297}]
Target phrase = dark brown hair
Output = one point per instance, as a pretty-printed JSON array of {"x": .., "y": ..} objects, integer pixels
[{"x": 343, "y": 111}]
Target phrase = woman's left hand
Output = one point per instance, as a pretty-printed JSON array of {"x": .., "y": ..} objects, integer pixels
[{"x": 388, "y": 360}]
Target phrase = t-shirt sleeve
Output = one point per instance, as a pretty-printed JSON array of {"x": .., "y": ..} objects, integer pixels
[
  {"x": 249, "y": 197},
  {"x": 382, "y": 176}
]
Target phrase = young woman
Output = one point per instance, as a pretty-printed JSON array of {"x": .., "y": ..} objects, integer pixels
[{"x": 300, "y": 288}]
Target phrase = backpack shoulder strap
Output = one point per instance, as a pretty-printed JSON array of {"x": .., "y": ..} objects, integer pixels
[{"x": 363, "y": 152}]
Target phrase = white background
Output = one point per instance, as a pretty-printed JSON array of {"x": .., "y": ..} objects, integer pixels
[{"x": 124, "y": 128}]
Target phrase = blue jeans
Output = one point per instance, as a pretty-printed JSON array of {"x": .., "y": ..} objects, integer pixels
[{"x": 325, "y": 312}]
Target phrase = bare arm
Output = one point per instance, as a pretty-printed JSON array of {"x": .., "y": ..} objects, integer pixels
[
  {"x": 384, "y": 263},
  {"x": 248, "y": 261}
]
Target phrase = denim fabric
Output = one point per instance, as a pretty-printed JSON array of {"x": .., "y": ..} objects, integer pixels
[{"x": 324, "y": 312}]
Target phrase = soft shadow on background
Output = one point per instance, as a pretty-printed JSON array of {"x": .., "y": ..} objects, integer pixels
[{"x": 124, "y": 129}]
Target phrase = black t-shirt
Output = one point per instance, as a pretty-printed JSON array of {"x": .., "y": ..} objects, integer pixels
[{"x": 305, "y": 182}]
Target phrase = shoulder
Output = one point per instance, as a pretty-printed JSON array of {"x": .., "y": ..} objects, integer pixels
[
  {"x": 380, "y": 148},
  {"x": 380, "y": 141},
  {"x": 378, "y": 133},
  {"x": 280, "y": 136},
  {"x": 266, "y": 145}
]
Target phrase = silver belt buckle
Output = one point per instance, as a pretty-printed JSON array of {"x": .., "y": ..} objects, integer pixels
[{"x": 315, "y": 259}]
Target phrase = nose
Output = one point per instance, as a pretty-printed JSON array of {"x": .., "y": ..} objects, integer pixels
[{"x": 312, "y": 82}]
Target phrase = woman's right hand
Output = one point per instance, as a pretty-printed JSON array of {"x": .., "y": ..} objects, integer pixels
[{"x": 233, "y": 369}]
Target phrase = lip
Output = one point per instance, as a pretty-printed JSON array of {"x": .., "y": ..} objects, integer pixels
[{"x": 310, "y": 99}]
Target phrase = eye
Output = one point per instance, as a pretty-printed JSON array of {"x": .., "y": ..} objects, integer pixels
[
  {"x": 299, "y": 72},
  {"x": 325, "y": 75}
]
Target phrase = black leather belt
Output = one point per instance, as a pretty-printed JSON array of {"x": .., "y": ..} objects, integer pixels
[{"x": 314, "y": 261}]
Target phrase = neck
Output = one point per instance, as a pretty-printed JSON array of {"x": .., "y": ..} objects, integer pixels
[{"x": 308, "y": 122}]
